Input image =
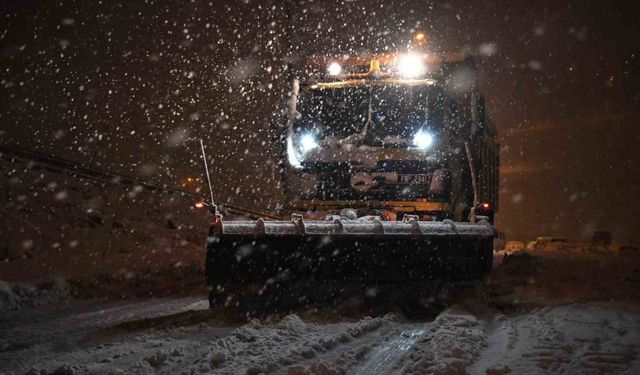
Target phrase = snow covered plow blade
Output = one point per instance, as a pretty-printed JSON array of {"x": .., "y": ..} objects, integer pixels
[{"x": 284, "y": 257}]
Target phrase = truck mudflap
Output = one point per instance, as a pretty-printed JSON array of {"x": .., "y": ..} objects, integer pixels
[{"x": 260, "y": 256}]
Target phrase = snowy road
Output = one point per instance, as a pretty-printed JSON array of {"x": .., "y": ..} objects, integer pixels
[
  {"x": 180, "y": 335},
  {"x": 571, "y": 310}
]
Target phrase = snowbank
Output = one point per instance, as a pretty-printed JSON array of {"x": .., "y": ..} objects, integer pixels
[{"x": 23, "y": 295}]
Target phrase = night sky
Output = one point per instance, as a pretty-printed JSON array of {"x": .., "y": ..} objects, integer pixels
[{"x": 130, "y": 87}]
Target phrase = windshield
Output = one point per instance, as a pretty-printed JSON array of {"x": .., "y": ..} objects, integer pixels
[
  {"x": 336, "y": 112},
  {"x": 396, "y": 111}
]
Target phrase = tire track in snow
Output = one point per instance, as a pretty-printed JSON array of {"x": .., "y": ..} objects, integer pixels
[
  {"x": 501, "y": 337},
  {"x": 452, "y": 342},
  {"x": 347, "y": 354},
  {"x": 293, "y": 346},
  {"x": 384, "y": 357},
  {"x": 570, "y": 339}
]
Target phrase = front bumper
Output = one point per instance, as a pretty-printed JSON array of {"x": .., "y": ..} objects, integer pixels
[{"x": 396, "y": 206}]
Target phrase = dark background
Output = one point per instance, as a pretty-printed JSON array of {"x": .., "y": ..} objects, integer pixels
[{"x": 130, "y": 87}]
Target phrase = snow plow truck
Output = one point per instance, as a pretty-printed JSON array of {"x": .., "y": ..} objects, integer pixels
[{"x": 390, "y": 178}]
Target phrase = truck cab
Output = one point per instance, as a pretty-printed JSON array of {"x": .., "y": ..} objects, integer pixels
[{"x": 387, "y": 134}]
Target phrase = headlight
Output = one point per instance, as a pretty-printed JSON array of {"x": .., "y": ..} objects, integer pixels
[
  {"x": 411, "y": 66},
  {"x": 334, "y": 69},
  {"x": 304, "y": 144},
  {"x": 422, "y": 140},
  {"x": 307, "y": 143}
]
